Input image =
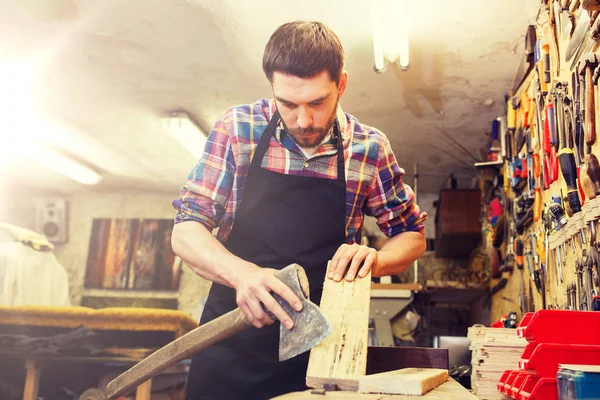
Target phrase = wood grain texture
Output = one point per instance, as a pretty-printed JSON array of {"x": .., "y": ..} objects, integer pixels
[
  {"x": 178, "y": 350},
  {"x": 411, "y": 381},
  {"x": 451, "y": 390},
  {"x": 382, "y": 359},
  {"x": 341, "y": 359},
  {"x": 32, "y": 380}
]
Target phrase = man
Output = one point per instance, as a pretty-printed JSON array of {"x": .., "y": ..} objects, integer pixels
[{"x": 287, "y": 180}]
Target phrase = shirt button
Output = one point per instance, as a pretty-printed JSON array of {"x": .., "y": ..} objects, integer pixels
[{"x": 306, "y": 165}]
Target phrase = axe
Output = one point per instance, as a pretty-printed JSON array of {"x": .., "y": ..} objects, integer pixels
[{"x": 310, "y": 328}]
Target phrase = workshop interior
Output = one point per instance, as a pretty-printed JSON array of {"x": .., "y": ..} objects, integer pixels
[{"x": 489, "y": 107}]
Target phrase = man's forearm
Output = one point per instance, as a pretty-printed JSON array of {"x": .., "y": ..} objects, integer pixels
[
  {"x": 205, "y": 255},
  {"x": 399, "y": 253}
]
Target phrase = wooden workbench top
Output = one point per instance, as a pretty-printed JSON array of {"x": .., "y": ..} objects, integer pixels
[{"x": 450, "y": 390}]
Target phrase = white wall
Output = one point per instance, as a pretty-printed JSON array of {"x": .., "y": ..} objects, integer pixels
[{"x": 18, "y": 208}]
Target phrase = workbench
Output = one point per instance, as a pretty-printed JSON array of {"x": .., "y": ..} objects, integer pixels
[
  {"x": 131, "y": 328},
  {"x": 451, "y": 390}
]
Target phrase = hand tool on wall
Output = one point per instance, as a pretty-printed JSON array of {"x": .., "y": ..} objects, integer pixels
[
  {"x": 537, "y": 192},
  {"x": 310, "y": 328},
  {"x": 566, "y": 160},
  {"x": 518, "y": 243},
  {"x": 550, "y": 35},
  {"x": 580, "y": 292},
  {"x": 566, "y": 20},
  {"x": 589, "y": 39},
  {"x": 588, "y": 64},
  {"x": 590, "y": 5},
  {"x": 557, "y": 214},
  {"x": 588, "y": 270},
  {"x": 550, "y": 134},
  {"x": 582, "y": 29}
]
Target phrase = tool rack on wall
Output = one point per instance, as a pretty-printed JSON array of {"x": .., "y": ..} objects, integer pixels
[{"x": 550, "y": 169}]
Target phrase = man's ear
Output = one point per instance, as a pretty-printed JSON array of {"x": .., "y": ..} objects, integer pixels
[{"x": 343, "y": 83}]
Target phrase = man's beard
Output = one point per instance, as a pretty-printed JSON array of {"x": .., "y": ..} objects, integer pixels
[{"x": 311, "y": 142}]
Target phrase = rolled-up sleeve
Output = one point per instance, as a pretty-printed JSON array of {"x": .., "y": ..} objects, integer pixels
[
  {"x": 204, "y": 196},
  {"x": 391, "y": 201}
]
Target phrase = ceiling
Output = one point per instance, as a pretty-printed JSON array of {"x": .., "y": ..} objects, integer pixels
[{"x": 100, "y": 74}]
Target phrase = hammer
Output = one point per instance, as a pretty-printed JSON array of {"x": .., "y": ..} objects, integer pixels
[
  {"x": 586, "y": 68},
  {"x": 311, "y": 327}
]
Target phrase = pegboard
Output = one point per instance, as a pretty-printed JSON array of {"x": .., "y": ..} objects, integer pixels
[{"x": 569, "y": 238}]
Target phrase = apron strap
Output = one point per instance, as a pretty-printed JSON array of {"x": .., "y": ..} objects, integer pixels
[
  {"x": 263, "y": 145},
  {"x": 338, "y": 135}
]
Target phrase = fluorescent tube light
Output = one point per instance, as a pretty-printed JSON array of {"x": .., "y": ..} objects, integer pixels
[
  {"x": 183, "y": 128},
  {"x": 403, "y": 56},
  {"x": 377, "y": 37},
  {"x": 390, "y": 31},
  {"x": 64, "y": 165}
]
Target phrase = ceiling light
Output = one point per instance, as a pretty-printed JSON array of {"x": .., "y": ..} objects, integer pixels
[
  {"x": 63, "y": 165},
  {"x": 183, "y": 128},
  {"x": 390, "y": 31}
]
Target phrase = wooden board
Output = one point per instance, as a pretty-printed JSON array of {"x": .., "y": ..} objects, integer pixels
[
  {"x": 341, "y": 359},
  {"x": 412, "y": 381},
  {"x": 450, "y": 390},
  {"x": 382, "y": 359}
]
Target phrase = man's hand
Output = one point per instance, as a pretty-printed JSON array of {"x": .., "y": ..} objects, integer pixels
[
  {"x": 255, "y": 287},
  {"x": 351, "y": 256}
]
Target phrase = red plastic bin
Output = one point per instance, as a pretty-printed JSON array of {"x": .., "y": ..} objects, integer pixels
[
  {"x": 544, "y": 358},
  {"x": 536, "y": 388},
  {"x": 515, "y": 390},
  {"x": 560, "y": 326},
  {"x": 508, "y": 382},
  {"x": 504, "y": 378}
]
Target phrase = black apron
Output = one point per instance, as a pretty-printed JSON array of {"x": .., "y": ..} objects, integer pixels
[{"x": 282, "y": 219}]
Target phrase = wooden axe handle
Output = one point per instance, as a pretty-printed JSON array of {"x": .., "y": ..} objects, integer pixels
[{"x": 178, "y": 350}]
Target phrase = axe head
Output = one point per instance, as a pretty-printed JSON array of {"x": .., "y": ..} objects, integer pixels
[{"x": 311, "y": 327}]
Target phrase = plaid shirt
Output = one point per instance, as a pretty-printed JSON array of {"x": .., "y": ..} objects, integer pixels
[{"x": 374, "y": 183}]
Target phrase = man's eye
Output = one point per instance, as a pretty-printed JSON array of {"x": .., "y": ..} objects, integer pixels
[
  {"x": 288, "y": 105},
  {"x": 316, "y": 104}
]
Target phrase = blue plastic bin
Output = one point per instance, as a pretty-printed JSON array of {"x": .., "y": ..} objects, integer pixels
[{"x": 578, "y": 382}]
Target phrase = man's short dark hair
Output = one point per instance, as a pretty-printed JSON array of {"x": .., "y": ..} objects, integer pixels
[{"x": 304, "y": 49}]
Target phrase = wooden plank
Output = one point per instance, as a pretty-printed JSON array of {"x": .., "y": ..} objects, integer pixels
[
  {"x": 143, "y": 392},
  {"x": 341, "y": 359},
  {"x": 397, "y": 286},
  {"x": 381, "y": 359},
  {"x": 451, "y": 390},
  {"x": 411, "y": 381},
  {"x": 32, "y": 380}
]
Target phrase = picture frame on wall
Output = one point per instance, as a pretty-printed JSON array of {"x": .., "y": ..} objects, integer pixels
[{"x": 132, "y": 254}]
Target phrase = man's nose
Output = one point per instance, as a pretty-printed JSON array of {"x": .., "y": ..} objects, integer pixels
[{"x": 304, "y": 118}]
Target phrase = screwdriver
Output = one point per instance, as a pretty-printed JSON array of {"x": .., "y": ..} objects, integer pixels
[
  {"x": 519, "y": 253},
  {"x": 566, "y": 160},
  {"x": 537, "y": 197}
]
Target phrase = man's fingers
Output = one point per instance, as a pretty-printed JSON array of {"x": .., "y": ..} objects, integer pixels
[
  {"x": 335, "y": 260},
  {"x": 260, "y": 317},
  {"x": 368, "y": 264},
  {"x": 287, "y": 294},
  {"x": 356, "y": 261},
  {"x": 272, "y": 305},
  {"x": 344, "y": 260},
  {"x": 249, "y": 316}
]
